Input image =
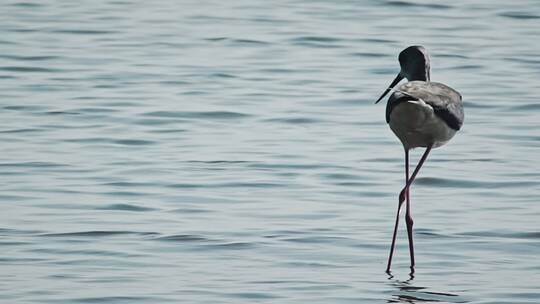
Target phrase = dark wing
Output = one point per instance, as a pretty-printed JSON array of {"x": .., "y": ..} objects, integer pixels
[{"x": 445, "y": 101}]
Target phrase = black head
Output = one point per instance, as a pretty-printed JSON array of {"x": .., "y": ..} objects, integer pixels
[{"x": 415, "y": 65}]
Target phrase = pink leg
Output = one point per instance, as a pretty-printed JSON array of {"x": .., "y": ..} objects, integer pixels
[
  {"x": 408, "y": 216},
  {"x": 409, "y": 220},
  {"x": 413, "y": 176},
  {"x": 400, "y": 203},
  {"x": 393, "y": 239}
]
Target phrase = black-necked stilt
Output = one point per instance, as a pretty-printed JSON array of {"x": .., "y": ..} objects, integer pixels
[{"x": 421, "y": 114}]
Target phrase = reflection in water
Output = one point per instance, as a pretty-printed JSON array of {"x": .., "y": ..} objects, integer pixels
[
  {"x": 408, "y": 293},
  {"x": 411, "y": 274}
]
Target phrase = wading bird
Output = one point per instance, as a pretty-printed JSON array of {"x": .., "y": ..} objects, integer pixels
[{"x": 422, "y": 114}]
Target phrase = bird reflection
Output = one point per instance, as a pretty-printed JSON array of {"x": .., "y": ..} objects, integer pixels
[
  {"x": 411, "y": 275},
  {"x": 409, "y": 293}
]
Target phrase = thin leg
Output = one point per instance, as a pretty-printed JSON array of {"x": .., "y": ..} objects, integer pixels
[
  {"x": 398, "y": 212},
  {"x": 413, "y": 176},
  {"x": 394, "y": 239},
  {"x": 408, "y": 215}
]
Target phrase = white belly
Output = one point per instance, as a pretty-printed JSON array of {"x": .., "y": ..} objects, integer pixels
[{"x": 416, "y": 125}]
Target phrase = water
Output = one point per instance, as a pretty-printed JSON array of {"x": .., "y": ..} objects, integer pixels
[{"x": 219, "y": 152}]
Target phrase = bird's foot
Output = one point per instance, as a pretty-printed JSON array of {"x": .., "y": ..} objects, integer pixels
[{"x": 411, "y": 274}]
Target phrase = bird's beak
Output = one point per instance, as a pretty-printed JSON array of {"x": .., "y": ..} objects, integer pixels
[{"x": 398, "y": 78}]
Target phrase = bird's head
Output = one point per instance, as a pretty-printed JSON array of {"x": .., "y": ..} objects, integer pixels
[{"x": 415, "y": 65}]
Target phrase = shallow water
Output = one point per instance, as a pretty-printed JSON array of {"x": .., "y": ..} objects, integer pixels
[{"x": 210, "y": 152}]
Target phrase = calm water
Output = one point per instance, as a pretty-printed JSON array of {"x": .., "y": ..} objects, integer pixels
[{"x": 211, "y": 152}]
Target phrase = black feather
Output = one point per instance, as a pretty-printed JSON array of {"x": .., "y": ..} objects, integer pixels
[{"x": 448, "y": 117}]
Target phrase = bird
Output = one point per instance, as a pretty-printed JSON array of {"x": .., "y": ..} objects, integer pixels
[{"x": 422, "y": 114}]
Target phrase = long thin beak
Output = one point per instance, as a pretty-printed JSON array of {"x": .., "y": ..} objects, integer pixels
[{"x": 398, "y": 78}]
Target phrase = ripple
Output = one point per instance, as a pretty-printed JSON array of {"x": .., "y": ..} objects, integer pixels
[
  {"x": 427, "y": 233},
  {"x": 376, "y": 40},
  {"x": 228, "y": 185},
  {"x": 125, "y": 207},
  {"x": 367, "y": 54},
  {"x": 13, "y": 243},
  {"x": 318, "y": 239},
  {"x": 27, "y": 69},
  {"x": 250, "y": 41},
  {"x": 159, "y": 122},
  {"x": 85, "y": 32},
  {"x": 317, "y": 41},
  {"x": 216, "y": 39},
  {"x": 309, "y": 264},
  {"x": 120, "y": 299},
  {"x": 27, "y": 4},
  {"x": 254, "y": 295},
  {"x": 198, "y": 115},
  {"x": 93, "y": 110},
  {"x": 420, "y": 5},
  {"x": 23, "y": 130},
  {"x": 16, "y": 260},
  {"x": 222, "y": 75},
  {"x": 340, "y": 176},
  {"x": 238, "y": 42},
  {"x": 34, "y": 164},
  {"x": 535, "y": 235},
  {"x": 183, "y": 238},
  {"x": 92, "y": 234},
  {"x": 526, "y": 107},
  {"x": 60, "y": 112},
  {"x": 293, "y": 166},
  {"x": 209, "y": 244},
  {"x": 29, "y": 58},
  {"x": 89, "y": 140},
  {"x": 134, "y": 142},
  {"x": 233, "y": 245},
  {"x": 190, "y": 210},
  {"x": 463, "y": 183},
  {"x": 519, "y": 15},
  {"x": 126, "y": 193},
  {"x": 295, "y": 120},
  {"x": 219, "y": 162},
  {"x": 479, "y": 105},
  {"x": 10, "y": 231},
  {"x": 468, "y": 67}
]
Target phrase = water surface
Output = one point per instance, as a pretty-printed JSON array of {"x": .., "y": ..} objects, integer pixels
[{"x": 230, "y": 152}]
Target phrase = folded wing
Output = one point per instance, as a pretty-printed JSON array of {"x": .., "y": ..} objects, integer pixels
[{"x": 445, "y": 101}]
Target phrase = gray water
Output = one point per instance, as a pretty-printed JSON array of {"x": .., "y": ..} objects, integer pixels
[{"x": 230, "y": 152}]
